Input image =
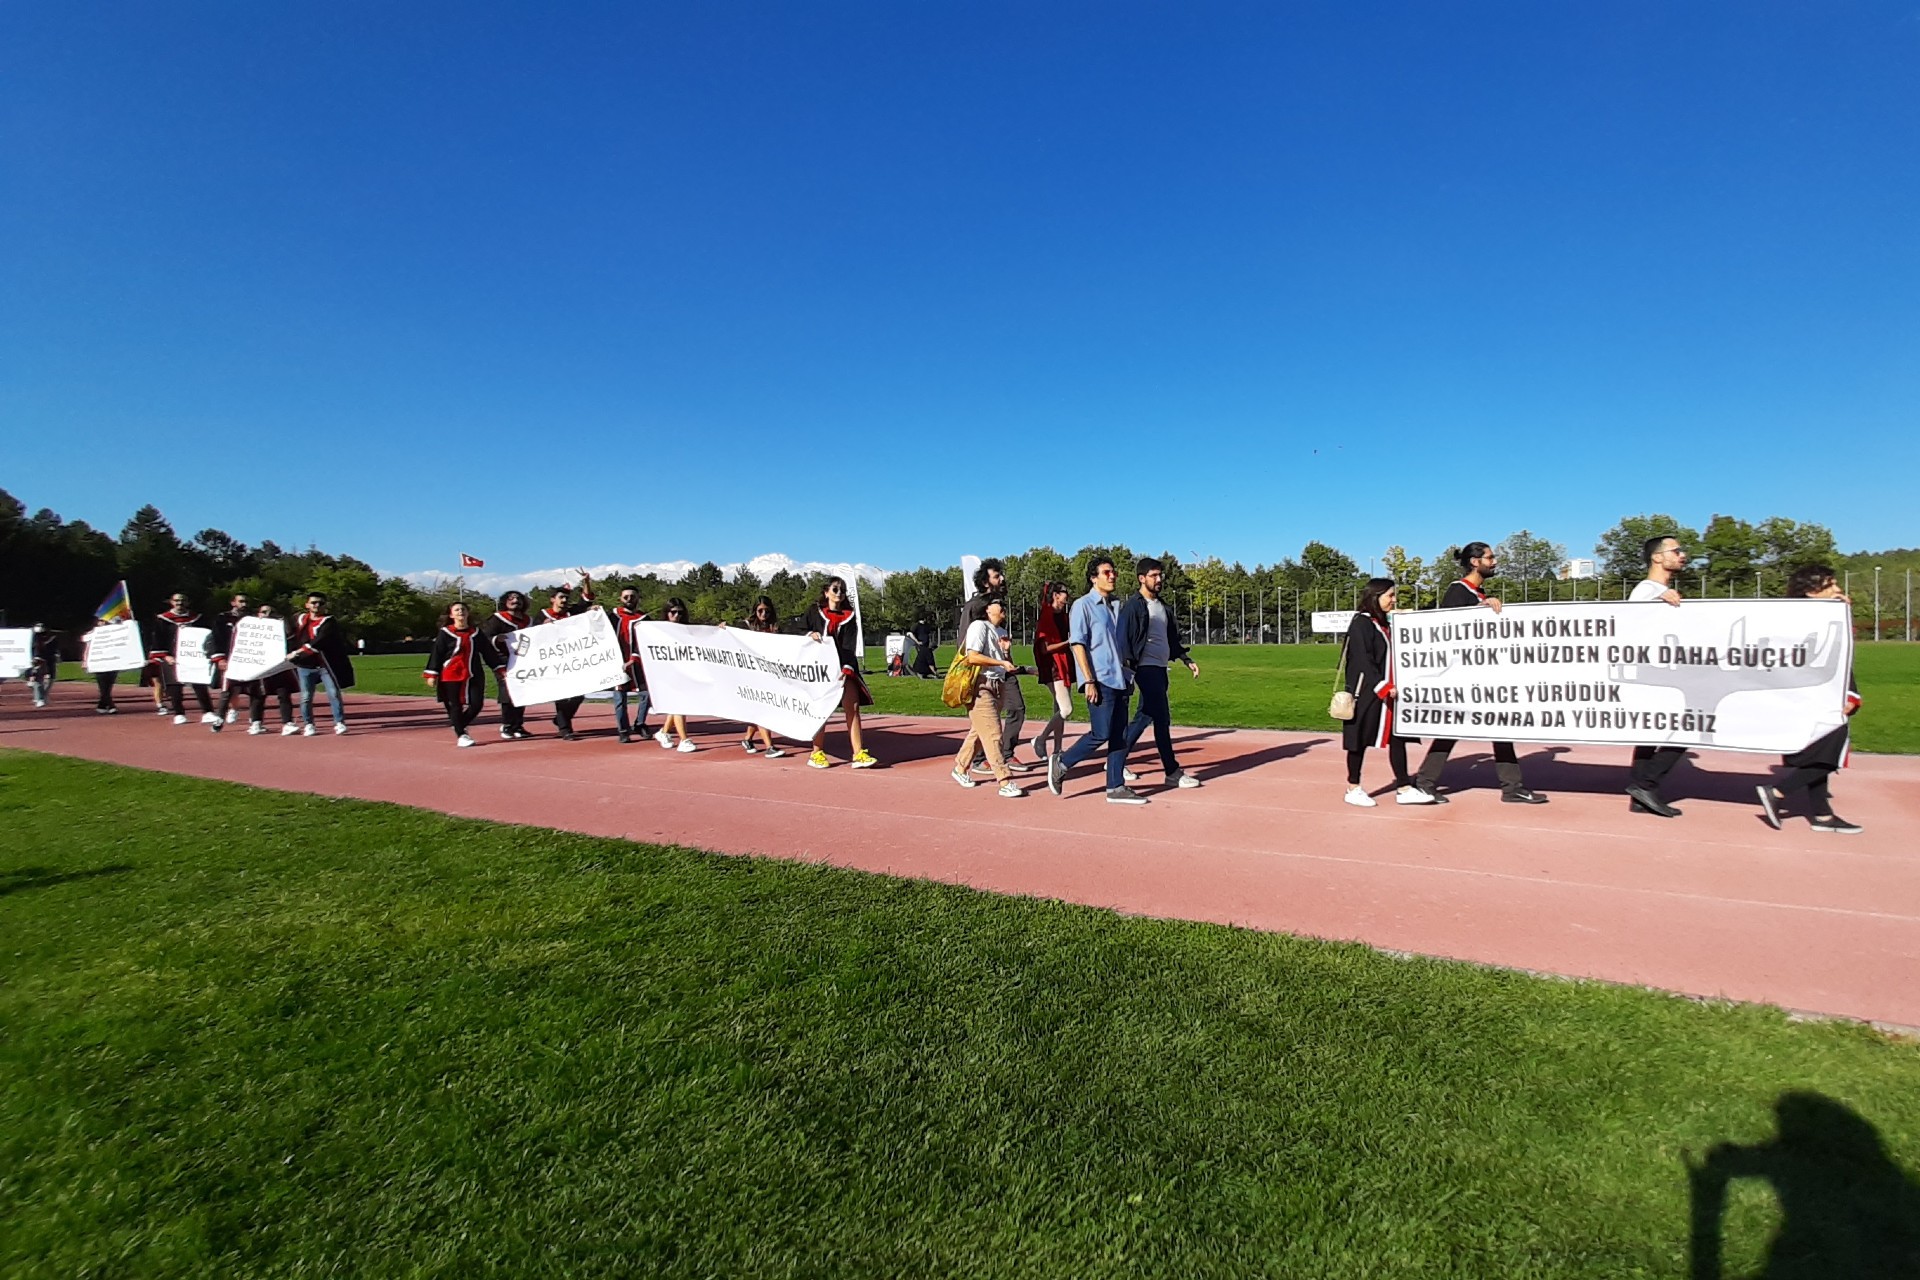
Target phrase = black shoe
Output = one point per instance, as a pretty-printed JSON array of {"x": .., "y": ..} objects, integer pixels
[
  {"x": 1056, "y": 772},
  {"x": 1769, "y": 806},
  {"x": 625, "y": 736},
  {"x": 1645, "y": 801},
  {"x": 566, "y": 735},
  {"x": 1838, "y": 825},
  {"x": 1433, "y": 792},
  {"x": 1521, "y": 795}
]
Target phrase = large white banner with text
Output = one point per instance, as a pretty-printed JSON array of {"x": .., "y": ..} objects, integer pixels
[
  {"x": 115, "y": 646},
  {"x": 16, "y": 651},
  {"x": 259, "y": 649},
  {"x": 190, "y": 662},
  {"x": 566, "y": 659},
  {"x": 1739, "y": 675},
  {"x": 789, "y": 684}
]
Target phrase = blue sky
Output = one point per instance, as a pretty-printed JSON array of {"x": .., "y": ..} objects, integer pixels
[{"x": 892, "y": 282}]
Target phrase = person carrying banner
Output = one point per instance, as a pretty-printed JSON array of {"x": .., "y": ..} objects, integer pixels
[
  {"x": 831, "y": 618},
  {"x": 279, "y": 685},
  {"x": 318, "y": 651},
  {"x": 456, "y": 670},
  {"x": 46, "y": 663},
  {"x": 1664, "y": 559},
  {"x": 1369, "y": 665},
  {"x": 1811, "y": 769},
  {"x": 677, "y": 613},
  {"x": 560, "y": 606},
  {"x": 1151, "y": 636},
  {"x": 984, "y": 647},
  {"x": 219, "y": 645},
  {"x": 627, "y": 617},
  {"x": 1099, "y": 655},
  {"x": 164, "y": 639},
  {"x": 764, "y": 619},
  {"x": 509, "y": 616},
  {"x": 1053, "y": 666},
  {"x": 1469, "y": 590}
]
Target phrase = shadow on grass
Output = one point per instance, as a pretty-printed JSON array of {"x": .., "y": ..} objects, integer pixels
[
  {"x": 1846, "y": 1209},
  {"x": 21, "y": 879}
]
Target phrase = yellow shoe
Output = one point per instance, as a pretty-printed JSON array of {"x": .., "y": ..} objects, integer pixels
[
  {"x": 862, "y": 760},
  {"x": 818, "y": 760}
]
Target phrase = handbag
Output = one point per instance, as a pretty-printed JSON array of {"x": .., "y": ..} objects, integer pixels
[
  {"x": 1344, "y": 704},
  {"x": 962, "y": 679}
]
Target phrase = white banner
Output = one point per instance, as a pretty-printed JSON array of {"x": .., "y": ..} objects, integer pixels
[
  {"x": 16, "y": 652},
  {"x": 258, "y": 649},
  {"x": 789, "y": 684},
  {"x": 566, "y": 659},
  {"x": 1737, "y": 675},
  {"x": 190, "y": 662},
  {"x": 115, "y": 646},
  {"x": 1332, "y": 622}
]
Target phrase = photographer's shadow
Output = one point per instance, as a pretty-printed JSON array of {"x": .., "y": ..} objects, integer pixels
[{"x": 1846, "y": 1209}]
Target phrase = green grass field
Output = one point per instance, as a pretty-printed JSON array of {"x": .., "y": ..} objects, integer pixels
[
  {"x": 253, "y": 1033},
  {"x": 1287, "y": 686}
]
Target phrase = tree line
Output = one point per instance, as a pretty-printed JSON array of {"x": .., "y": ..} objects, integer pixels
[{"x": 58, "y": 571}]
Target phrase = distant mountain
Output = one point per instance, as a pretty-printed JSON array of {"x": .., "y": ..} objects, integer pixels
[{"x": 761, "y": 567}]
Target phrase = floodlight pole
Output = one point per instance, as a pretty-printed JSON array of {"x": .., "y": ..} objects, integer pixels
[{"x": 1876, "y": 602}]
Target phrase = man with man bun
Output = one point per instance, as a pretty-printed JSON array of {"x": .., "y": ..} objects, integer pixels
[
  {"x": 1478, "y": 563},
  {"x": 1664, "y": 559}
]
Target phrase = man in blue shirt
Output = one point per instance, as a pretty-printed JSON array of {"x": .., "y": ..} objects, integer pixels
[{"x": 1099, "y": 655}]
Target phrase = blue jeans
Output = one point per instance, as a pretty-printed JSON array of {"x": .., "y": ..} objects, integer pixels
[
  {"x": 642, "y": 703},
  {"x": 1154, "y": 711},
  {"x": 311, "y": 676},
  {"x": 1109, "y": 716}
]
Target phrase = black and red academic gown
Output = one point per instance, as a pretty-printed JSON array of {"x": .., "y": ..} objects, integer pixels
[
  {"x": 166, "y": 636},
  {"x": 318, "y": 642},
  {"x": 1370, "y": 680},
  {"x": 1832, "y": 749},
  {"x": 454, "y": 661},
  {"x": 627, "y": 627}
]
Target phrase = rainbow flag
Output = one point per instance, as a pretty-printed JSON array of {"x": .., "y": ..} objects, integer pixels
[{"x": 116, "y": 607}]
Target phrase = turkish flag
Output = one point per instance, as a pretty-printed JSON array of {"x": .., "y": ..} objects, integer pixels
[{"x": 469, "y": 562}]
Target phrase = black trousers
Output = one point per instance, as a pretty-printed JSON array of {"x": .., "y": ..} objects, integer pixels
[
  {"x": 256, "y": 701},
  {"x": 563, "y": 713},
  {"x": 1811, "y": 770},
  {"x": 105, "y": 680},
  {"x": 1396, "y": 756},
  {"x": 1506, "y": 764},
  {"x": 177, "y": 704},
  {"x": 512, "y": 718},
  {"x": 463, "y": 701},
  {"x": 1154, "y": 710},
  {"x": 1651, "y": 764}
]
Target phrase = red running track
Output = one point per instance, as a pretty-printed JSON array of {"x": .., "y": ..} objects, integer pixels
[{"x": 1711, "y": 904}]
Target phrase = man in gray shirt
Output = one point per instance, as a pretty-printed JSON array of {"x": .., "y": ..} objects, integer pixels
[{"x": 1152, "y": 641}]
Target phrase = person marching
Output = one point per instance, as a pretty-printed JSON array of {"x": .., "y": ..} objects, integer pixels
[
  {"x": 1468, "y": 591},
  {"x": 1812, "y": 767},
  {"x": 983, "y": 646},
  {"x": 676, "y": 612},
  {"x": 1369, "y": 661},
  {"x": 1053, "y": 665},
  {"x": 559, "y": 608},
  {"x": 831, "y": 617},
  {"x": 219, "y": 645},
  {"x": 1664, "y": 560},
  {"x": 764, "y": 619},
  {"x": 166, "y": 631},
  {"x": 456, "y": 670},
  {"x": 1151, "y": 636},
  {"x": 627, "y": 617},
  {"x": 279, "y": 685},
  {"x": 46, "y": 663},
  {"x": 990, "y": 583},
  {"x": 318, "y": 651},
  {"x": 510, "y": 615},
  {"x": 1099, "y": 655}
]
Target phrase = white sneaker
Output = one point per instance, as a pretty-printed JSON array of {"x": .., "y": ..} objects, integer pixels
[
  {"x": 963, "y": 779},
  {"x": 1355, "y": 796},
  {"x": 255, "y": 729},
  {"x": 210, "y": 718},
  {"x": 230, "y": 716},
  {"x": 774, "y": 753},
  {"x": 288, "y": 730},
  {"x": 1128, "y": 775},
  {"x": 1185, "y": 781},
  {"x": 686, "y": 744},
  {"x": 179, "y": 719},
  {"x": 506, "y": 733},
  {"x": 307, "y": 731},
  {"x": 665, "y": 741},
  {"x": 1412, "y": 795},
  {"x": 339, "y": 726},
  {"x": 1011, "y": 789},
  {"x": 463, "y": 741}
]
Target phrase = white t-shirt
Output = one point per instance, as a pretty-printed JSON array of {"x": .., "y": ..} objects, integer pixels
[
  {"x": 1649, "y": 590},
  {"x": 984, "y": 638}
]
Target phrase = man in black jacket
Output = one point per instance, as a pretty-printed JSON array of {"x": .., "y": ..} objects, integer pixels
[
  {"x": 1470, "y": 591},
  {"x": 495, "y": 633},
  {"x": 166, "y": 632},
  {"x": 1151, "y": 637},
  {"x": 559, "y": 607},
  {"x": 219, "y": 648}
]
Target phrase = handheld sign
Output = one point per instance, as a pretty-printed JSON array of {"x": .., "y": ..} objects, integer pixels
[
  {"x": 566, "y": 659},
  {"x": 16, "y": 652},
  {"x": 115, "y": 646},
  {"x": 788, "y": 684},
  {"x": 259, "y": 649},
  {"x": 190, "y": 662},
  {"x": 1332, "y": 622}
]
